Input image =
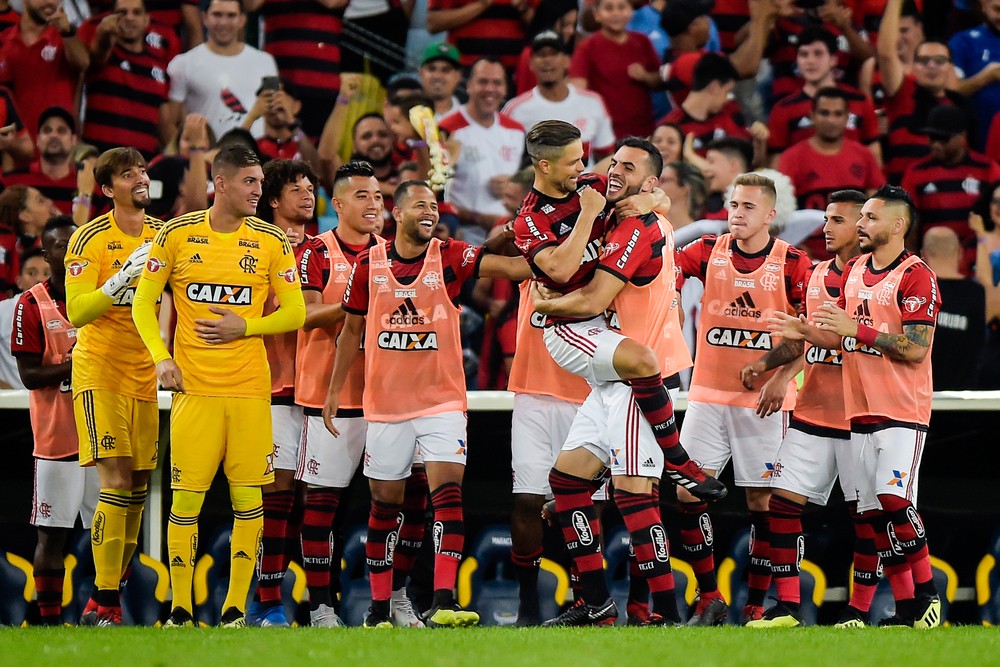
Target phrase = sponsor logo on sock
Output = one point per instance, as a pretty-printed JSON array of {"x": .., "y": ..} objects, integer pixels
[
  {"x": 390, "y": 545},
  {"x": 705, "y": 523},
  {"x": 800, "y": 550},
  {"x": 918, "y": 525},
  {"x": 582, "y": 527},
  {"x": 194, "y": 549},
  {"x": 241, "y": 555},
  {"x": 177, "y": 561},
  {"x": 438, "y": 534},
  {"x": 659, "y": 537},
  {"x": 97, "y": 530}
]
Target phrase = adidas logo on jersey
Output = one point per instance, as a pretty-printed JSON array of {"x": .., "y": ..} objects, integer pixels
[
  {"x": 742, "y": 306},
  {"x": 863, "y": 314},
  {"x": 116, "y": 264},
  {"x": 930, "y": 189},
  {"x": 195, "y": 259},
  {"x": 564, "y": 229},
  {"x": 406, "y": 315}
]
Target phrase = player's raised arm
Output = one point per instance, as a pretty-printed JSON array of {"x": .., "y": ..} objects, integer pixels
[{"x": 561, "y": 261}]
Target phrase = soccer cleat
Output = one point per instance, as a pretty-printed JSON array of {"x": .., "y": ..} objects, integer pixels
[
  {"x": 403, "y": 615},
  {"x": 274, "y": 617},
  {"x": 852, "y": 618},
  {"x": 89, "y": 616},
  {"x": 693, "y": 478},
  {"x": 376, "y": 620},
  {"x": 657, "y": 620},
  {"x": 711, "y": 610},
  {"x": 325, "y": 616},
  {"x": 450, "y": 616},
  {"x": 585, "y": 614},
  {"x": 778, "y": 616},
  {"x": 928, "y": 613},
  {"x": 179, "y": 618},
  {"x": 108, "y": 617},
  {"x": 895, "y": 621},
  {"x": 751, "y": 612},
  {"x": 233, "y": 618}
]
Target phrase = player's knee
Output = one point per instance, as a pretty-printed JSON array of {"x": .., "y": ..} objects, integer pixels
[
  {"x": 758, "y": 499},
  {"x": 634, "y": 360},
  {"x": 528, "y": 504},
  {"x": 245, "y": 498},
  {"x": 187, "y": 503}
]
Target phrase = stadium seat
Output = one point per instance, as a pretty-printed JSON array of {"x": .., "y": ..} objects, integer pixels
[
  {"x": 17, "y": 589},
  {"x": 487, "y": 581},
  {"x": 732, "y": 576},
  {"x": 616, "y": 554},
  {"x": 988, "y": 584},
  {"x": 945, "y": 580},
  {"x": 356, "y": 593},
  {"x": 144, "y": 598}
]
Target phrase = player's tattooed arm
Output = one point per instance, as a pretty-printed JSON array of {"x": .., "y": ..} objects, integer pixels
[
  {"x": 912, "y": 345},
  {"x": 783, "y": 354}
]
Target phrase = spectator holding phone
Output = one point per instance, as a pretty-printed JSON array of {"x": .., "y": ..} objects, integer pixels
[{"x": 279, "y": 105}]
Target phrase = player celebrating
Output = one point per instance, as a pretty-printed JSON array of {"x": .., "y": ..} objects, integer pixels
[
  {"x": 42, "y": 342},
  {"x": 414, "y": 397},
  {"x": 288, "y": 199},
  {"x": 747, "y": 276},
  {"x": 635, "y": 279},
  {"x": 559, "y": 232},
  {"x": 222, "y": 266},
  {"x": 816, "y": 446},
  {"x": 114, "y": 383},
  {"x": 885, "y": 319}
]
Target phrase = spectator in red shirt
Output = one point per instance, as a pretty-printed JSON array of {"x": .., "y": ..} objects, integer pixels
[
  {"x": 53, "y": 173},
  {"x": 828, "y": 161},
  {"x": 15, "y": 142},
  {"x": 23, "y": 213},
  {"x": 707, "y": 112},
  {"x": 789, "y": 123},
  {"x": 283, "y": 138},
  {"x": 946, "y": 184},
  {"x": 41, "y": 59},
  {"x": 8, "y": 16},
  {"x": 483, "y": 28},
  {"x": 620, "y": 66}
]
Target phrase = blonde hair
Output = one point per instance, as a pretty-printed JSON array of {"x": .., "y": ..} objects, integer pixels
[{"x": 754, "y": 180}]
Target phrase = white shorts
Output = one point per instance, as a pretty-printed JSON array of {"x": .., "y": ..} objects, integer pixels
[
  {"x": 389, "y": 447},
  {"x": 610, "y": 426},
  {"x": 63, "y": 491},
  {"x": 538, "y": 429},
  {"x": 286, "y": 426},
  {"x": 808, "y": 464},
  {"x": 327, "y": 461},
  {"x": 586, "y": 348},
  {"x": 712, "y": 434},
  {"x": 890, "y": 464}
]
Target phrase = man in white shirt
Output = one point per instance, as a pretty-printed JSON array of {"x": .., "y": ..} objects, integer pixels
[
  {"x": 554, "y": 98},
  {"x": 219, "y": 78},
  {"x": 486, "y": 146}
]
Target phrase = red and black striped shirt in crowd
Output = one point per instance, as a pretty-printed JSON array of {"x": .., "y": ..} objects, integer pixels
[
  {"x": 279, "y": 150},
  {"x": 304, "y": 38},
  {"x": 783, "y": 49},
  {"x": 790, "y": 122},
  {"x": 729, "y": 17},
  {"x": 8, "y": 18},
  {"x": 61, "y": 192},
  {"x": 125, "y": 94},
  {"x": 727, "y": 123},
  {"x": 497, "y": 33},
  {"x": 907, "y": 112},
  {"x": 868, "y": 15},
  {"x": 944, "y": 195}
]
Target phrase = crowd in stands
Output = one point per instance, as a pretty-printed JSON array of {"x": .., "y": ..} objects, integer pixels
[{"x": 825, "y": 94}]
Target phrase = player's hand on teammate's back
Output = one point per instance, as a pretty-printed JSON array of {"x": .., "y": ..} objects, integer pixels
[
  {"x": 227, "y": 328},
  {"x": 787, "y": 326},
  {"x": 169, "y": 375},
  {"x": 330, "y": 411},
  {"x": 750, "y": 373},
  {"x": 772, "y": 397},
  {"x": 592, "y": 202}
]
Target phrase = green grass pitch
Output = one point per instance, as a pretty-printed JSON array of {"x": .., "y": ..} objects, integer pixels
[{"x": 969, "y": 646}]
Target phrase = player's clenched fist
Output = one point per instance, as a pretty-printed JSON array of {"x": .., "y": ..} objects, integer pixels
[
  {"x": 169, "y": 375},
  {"x": 592, "y": 202}
]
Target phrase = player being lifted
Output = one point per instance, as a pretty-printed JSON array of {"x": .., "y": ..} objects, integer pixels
[
  {"x": 114, "y": 382},
  {"x": 221, "y": 265},
  {"x": 636, "y": 281},
  {"x": 401, "y": 301}
]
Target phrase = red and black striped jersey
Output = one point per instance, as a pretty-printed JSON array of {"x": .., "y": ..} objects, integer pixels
[
  {"x": 8, "y": 18},
  {"x": 279, "y": 150},
  {"x": 60, "y": 192},
  {"x": 633, "y": 249},
  {"x": 730, "y": 16},
  {"x": 497, "y": 33},
  {"x": 783, "y": 48},
  {"x": 304, "y": 38},
  {"x": 790, "y": 122},
  {"x": 727, "y": 123},
  {"x": 907, "y": 112},
  {"x": 944, "y": 194},
  {"x": 124, "y": 97}
]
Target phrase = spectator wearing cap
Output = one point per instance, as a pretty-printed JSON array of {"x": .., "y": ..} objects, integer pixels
[
  {"x": 558, "y": 15},
  {"x": 620, "y": 66},
  {"x": 16, "y": 146},
  {"x": 486, "y": 146},
  {"x": 947, "y": 183},
  {"x": 127, "y": 87},
  {"x": 440, "y": 74},
  {"x": 41, "y": 60},
  {"x": 554, "y": 98},
  {"x": 219, "y": 79},
  {"x": 483, "y": 28},
  {"x": 976, "y": 53},
  {"x": 283, "y": 137},
  {"x": 53, "y": 173},
  {"x": 304, "y": 39}
]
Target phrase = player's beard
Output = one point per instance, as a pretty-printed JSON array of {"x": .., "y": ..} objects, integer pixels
[
  {"x": 142, "y": 202},
  {"x": 871, "y": 243}
]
